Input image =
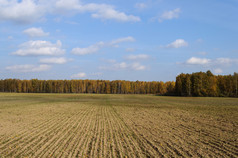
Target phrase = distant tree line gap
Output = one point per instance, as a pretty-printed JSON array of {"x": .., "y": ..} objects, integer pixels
[{"x": 200, "y": 84}]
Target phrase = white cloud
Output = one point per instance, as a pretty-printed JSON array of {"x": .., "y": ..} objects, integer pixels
[
  {"x": 218, "y": 71},
  {"x": 211, "y": 62},
  {"x": 79, "y": 75},
  {"x": 140, "y": 5},
  {"x": 217, "y": 65},
  {"x": 28, "y": 11},
  {"x": 35, "y": 32},
  {"x": 99, "y": 11},
  {"x": 121, "y": 65},
  {"x": 136, "y": 66},
  {"x": 65, "y": 5},
  {"x": 88, "y": 50},
  {"x": 168, "y": 15},
  {"x": 96, "y": 47},
  {"x": 177, "y": 44},
  {"x": 39, "y": 48},
  {"x": 60, "y": 60},
  {"x": 120, "y": 40},
  {"x": 28, "y": 68},
  {"x": 103, "y": 11},
  {"x": 198, "y": 61},
  {"x": 225, "y": 60},
  {"x": 137, "y": 57},
  {"x": 25, "y": 11}
]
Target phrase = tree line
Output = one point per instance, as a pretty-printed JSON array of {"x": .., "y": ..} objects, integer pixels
[
  {"x": 201, "y": 84},
  {"x": 205, "y": 84},
  {"x": 87, "y": 86}
]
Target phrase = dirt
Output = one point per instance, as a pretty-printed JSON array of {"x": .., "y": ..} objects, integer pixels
[{"x": 89, "y": 125}]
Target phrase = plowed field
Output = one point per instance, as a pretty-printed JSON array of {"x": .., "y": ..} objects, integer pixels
[{"x": 90, "y": 125}]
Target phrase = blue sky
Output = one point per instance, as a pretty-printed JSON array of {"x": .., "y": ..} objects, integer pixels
[{"x": 150, "y": 40}]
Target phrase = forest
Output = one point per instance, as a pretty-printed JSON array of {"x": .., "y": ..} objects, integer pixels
[
  {"x": 200, "y": 84},
  {"x": 86, "y": 86},
  {"x": 203, "y": 84}
]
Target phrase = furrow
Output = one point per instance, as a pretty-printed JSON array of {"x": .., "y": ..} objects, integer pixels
[
  {"x": 43, "y": 145},
  {"x": 51, "y": 146},
  {"x": 41, "y": 138},
  {"x": 20, "y": 141}
]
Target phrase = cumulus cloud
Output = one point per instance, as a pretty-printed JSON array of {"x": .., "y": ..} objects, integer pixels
[
  {"x": 136, "y": 66},
  {"x": 120, "y": 40},
  {"x": 211, "y": 62},
  {"x": 225, "y": 60},
  {"x": 121, "y": 65},
  {"x": 198, "y": 61},
  {"x": 28, "y": 68},
  {"x": 39, "y": 48},
  {"x": 65, "y": 5},
  {"x": 79, "y": 75},
  {"x": 27, "y": 11},
  {"x": 96, "y": 47},
  {"x": 99, "y": 11},
  {"x": 103, "y": 11},
  {"x": 88, "y": 50},
  {"x": 35, "y": 32},
  {"x": 60, "y": 60},
  {"x": 137, "y": 57},
  {"x": 168, "y": 15},
  {"x": 177, "y": 44}
]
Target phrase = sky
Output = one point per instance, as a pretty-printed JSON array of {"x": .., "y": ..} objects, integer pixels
[{"x": 146, "y": 40}]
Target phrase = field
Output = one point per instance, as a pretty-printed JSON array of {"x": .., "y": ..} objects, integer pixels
[{"x": 90, "y": 125}]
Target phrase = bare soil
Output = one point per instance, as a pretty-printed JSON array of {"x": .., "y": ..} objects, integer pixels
[{"x": 88, "y": 125}]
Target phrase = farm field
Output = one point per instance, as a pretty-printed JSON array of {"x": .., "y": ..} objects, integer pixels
[{"x": 97, "y": 125}]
